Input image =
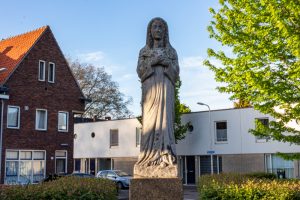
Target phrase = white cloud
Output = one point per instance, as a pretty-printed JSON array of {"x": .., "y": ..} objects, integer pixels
[
  {"x": 198, "y": 84},
  {"x": 126, "y": 77},
  {"x": 191, "y": 62},
  {"x": 92, "y": 57}
]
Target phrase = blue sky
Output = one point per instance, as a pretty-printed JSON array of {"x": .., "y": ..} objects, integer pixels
[{"x": 110, "y": 33}]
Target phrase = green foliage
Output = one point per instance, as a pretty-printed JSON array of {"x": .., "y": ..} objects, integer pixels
[
  {"x": 261, "y": 175},
  {"x": 289, "y": 156},
  {"x": 248, "y": 187},
  {"x": 240, "y": 103},
  {"x": 180, "y": 108},
  {"x": 263, "y": 66},
  {"x": 66, "y": 188}
]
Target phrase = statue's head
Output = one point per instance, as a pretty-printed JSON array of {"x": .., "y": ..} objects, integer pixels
[{"x": 157, "y": 30}]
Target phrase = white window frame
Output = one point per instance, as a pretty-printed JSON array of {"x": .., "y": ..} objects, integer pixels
[
  {"x": 19, "y": 160},
  {"x": 36, "y": 120},
  {"x": 51, "y": 63},
  {"x": 261, "y": 139},
  {"x": 216, "y": 137},
  {"x": 19, "y": 114},
  {"x": 67, "y": 125},
  {"x": 66, "y": 159},
  {"x": 44, "y": 73}
]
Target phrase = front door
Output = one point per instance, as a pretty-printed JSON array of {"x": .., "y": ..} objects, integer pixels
[
  {"x": 190, "y": 165},
  {"x": 92, "y": 166}
]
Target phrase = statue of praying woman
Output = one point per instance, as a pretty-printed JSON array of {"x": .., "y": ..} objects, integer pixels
[{"x": 158, "y": 71}]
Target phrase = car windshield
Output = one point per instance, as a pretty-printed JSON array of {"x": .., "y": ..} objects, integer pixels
[{"x": 120, "y": 173}]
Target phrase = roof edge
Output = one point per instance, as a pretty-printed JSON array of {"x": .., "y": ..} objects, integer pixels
[
  {"x": 45, "y": 28},
  {"x": 67, "y": 64}
]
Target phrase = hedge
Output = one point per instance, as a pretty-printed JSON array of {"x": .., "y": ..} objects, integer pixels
[
  {"x": 65, "y": 188},
  {"x": 246, "y": 187}
]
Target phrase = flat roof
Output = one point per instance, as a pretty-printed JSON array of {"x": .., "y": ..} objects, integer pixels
[{"x": 217, "y": 110}]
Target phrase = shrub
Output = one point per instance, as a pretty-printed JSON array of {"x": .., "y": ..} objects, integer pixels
[
  {"x": 248, "y": 186},
  {"x": 261, "y": 175},
  {"x": 65, "y": 188}
]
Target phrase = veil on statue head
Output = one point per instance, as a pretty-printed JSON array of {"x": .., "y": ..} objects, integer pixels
[{"x": 149, "y": 40}]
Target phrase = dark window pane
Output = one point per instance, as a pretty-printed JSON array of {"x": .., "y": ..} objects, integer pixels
[
  {"x": 221, "y": 125},
  {"x": 114, "y": 137}
]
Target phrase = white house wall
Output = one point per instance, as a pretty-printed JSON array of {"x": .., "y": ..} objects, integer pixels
[
  {"x": 87, "y": 147},
  {"x": 197, "y": 142}
]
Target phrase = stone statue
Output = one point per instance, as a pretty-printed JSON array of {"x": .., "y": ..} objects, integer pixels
[{"x": 158, "y": 70}]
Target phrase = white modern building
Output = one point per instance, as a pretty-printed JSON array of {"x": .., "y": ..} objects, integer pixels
[{"x": 217, "y": 141}]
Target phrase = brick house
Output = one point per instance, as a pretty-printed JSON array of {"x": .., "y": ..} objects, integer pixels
[{"x": 39, "y": 97}]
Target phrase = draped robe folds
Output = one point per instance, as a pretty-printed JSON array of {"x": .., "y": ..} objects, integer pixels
[{"x": 158, "y": 70}]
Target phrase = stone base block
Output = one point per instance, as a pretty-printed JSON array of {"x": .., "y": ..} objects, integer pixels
[
  {"x": 155, "y": 171},
  {"x": 156, "y": 189}
]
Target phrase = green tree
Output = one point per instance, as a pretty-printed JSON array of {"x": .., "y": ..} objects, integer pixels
[
  {"x": 241, "y": 103},
  {"x": 180, "y": 108},
  {"x": 263, "y": 66}
]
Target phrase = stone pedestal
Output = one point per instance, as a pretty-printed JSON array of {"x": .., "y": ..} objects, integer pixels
[
  {"x": 156, "y": 189},
  {"x": 155, "y": 171}
]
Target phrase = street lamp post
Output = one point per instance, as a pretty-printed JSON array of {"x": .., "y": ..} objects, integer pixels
[{"x": 211, "y": 138}]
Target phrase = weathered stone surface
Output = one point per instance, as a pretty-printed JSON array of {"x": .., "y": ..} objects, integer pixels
[
  {"x": 158, "y": 70},
  {"x": 156, "y": 189},
  {"x": 155, "y": 171}
]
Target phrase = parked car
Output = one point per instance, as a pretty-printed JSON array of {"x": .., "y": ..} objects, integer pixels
[
  {"x": 81, "y": 175},
  {"x": 122, "y": 179}
]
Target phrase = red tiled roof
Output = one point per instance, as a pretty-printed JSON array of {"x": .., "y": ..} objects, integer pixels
[{"x": 13, "y": 50}]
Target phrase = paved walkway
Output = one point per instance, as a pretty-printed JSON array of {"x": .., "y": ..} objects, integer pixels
[{"x": 190, "y": 193}]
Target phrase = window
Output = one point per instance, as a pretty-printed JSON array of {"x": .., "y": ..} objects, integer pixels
[
  {"x": 41, "y": 120},
  {"x": 221, "y": 131},
  {"x": 42, "y": 70},
  {"x": 265, "y": 122},
  {"x": 63, "y": 118},
  {"x": 13, "y": 117},
  {"x": 111, "y": 174},
  {"x": 276, "y": 164},
  {"x": 114, "y": 137},
  {"x": 51, "y": 72},
  {"x": 77, "y": 165},
  {"x": 138, "y": 136},
  {"x": 23, "y": 167},
  {"x": 60, "y": 162}
]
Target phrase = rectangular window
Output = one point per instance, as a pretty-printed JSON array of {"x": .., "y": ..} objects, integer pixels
[
  {"x": 221, "y": 131},
  {"x": 63, "y": 118},
  {"x": 42, "y": 70},
  {"x": 12, "y": 155},
  {"x": 77, "y": 165},
  {"x": 51, "y": 72},
  {"x": 114, "y": 137},
  {"x": 138, "y": 136},
  {"x": 60, "y": 162},
  {"x": 265, "y": 122},
  {"x": 25, "y": 168},
  {"x": 13, "y": 117},
  {"x": 277, "y": 165},
  {"x": 41, "y": 119},
  {"x": 26, "y": 155}
]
